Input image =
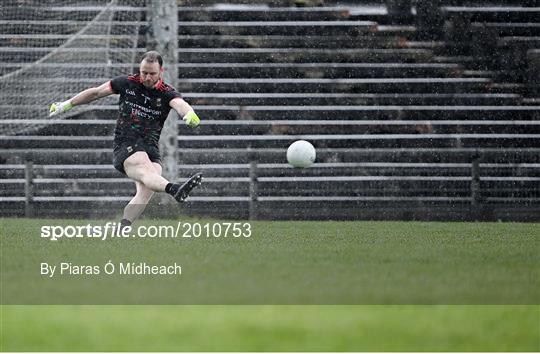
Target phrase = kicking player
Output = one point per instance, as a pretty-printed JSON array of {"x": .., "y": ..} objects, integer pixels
[{"x": 145, "y": 101}]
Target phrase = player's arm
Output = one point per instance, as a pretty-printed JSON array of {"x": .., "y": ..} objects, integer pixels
[
  {"x": 185, "y": 111},
  {"x": 83, "y": 97}
]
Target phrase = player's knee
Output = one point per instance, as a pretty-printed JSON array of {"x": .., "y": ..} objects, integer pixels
[
  {"x": 157, "y": 167},
  {"x": 147, "y": 177},
  {"x": 139, "y": 171}
]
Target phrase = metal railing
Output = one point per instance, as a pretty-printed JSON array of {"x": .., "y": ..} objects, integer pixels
[{"x": 256, "y": 180}]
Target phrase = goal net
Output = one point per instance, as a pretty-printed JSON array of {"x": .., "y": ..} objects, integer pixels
[{"x": 50, "y": 50}]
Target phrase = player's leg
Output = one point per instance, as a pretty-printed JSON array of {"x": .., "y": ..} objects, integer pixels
[
  {"x": 139, "y": 168},
  {"x": 180, "y": 191},
  {"x": 137, "y": 204}
]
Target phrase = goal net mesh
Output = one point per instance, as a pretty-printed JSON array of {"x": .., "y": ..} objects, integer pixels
[{"x": 52, "y": 49}]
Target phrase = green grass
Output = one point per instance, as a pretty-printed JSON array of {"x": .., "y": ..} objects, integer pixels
[
  {"x": 287, "y": 263},
  {"x": 270, "y": 328},
  {"x": 409, "y": 286}
]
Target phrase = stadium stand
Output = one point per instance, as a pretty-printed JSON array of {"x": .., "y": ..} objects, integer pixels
[{"x": 405, "y": 127}]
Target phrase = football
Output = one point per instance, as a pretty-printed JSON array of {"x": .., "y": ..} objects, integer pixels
[{"x": 301, "y": 154}]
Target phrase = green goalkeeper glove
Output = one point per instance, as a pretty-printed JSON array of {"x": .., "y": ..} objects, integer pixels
[
  {"x": 59, "y": 107},
  {"x": 191, "y": 119}
]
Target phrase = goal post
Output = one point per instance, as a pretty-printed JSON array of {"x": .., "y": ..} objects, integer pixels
[
  {"x": 163, "y": 18},
  {"x": 51, "y": 50}
]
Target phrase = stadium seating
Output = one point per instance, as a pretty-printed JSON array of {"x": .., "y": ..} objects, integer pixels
[{"x": 398, "y": 121}]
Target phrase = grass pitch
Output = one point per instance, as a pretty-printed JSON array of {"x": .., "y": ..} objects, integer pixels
[
  {"x": 270, "y": 328},
  {"x": 466, "y": 263}
]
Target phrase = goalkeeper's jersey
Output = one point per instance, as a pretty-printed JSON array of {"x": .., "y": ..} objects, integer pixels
[{"x": 142, "y": 111}]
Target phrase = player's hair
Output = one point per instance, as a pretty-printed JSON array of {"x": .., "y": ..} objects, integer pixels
[{"x": 152, "y": 56}]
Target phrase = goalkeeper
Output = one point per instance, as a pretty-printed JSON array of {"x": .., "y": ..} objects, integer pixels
[{"x": 144, "y": 104}]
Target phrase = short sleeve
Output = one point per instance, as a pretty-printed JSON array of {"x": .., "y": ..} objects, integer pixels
[
  {"x": 171, "y": 95},
  {"x": 119, "y": 84}
]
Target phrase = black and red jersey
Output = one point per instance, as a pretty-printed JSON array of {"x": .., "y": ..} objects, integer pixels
[{"x": 142, "y": 110}]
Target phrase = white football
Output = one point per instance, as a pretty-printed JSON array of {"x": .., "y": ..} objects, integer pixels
[{"x": 301, "y": 154}]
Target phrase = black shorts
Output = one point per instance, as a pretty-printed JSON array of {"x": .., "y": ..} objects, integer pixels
[{"x": 123, "y": 150}]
